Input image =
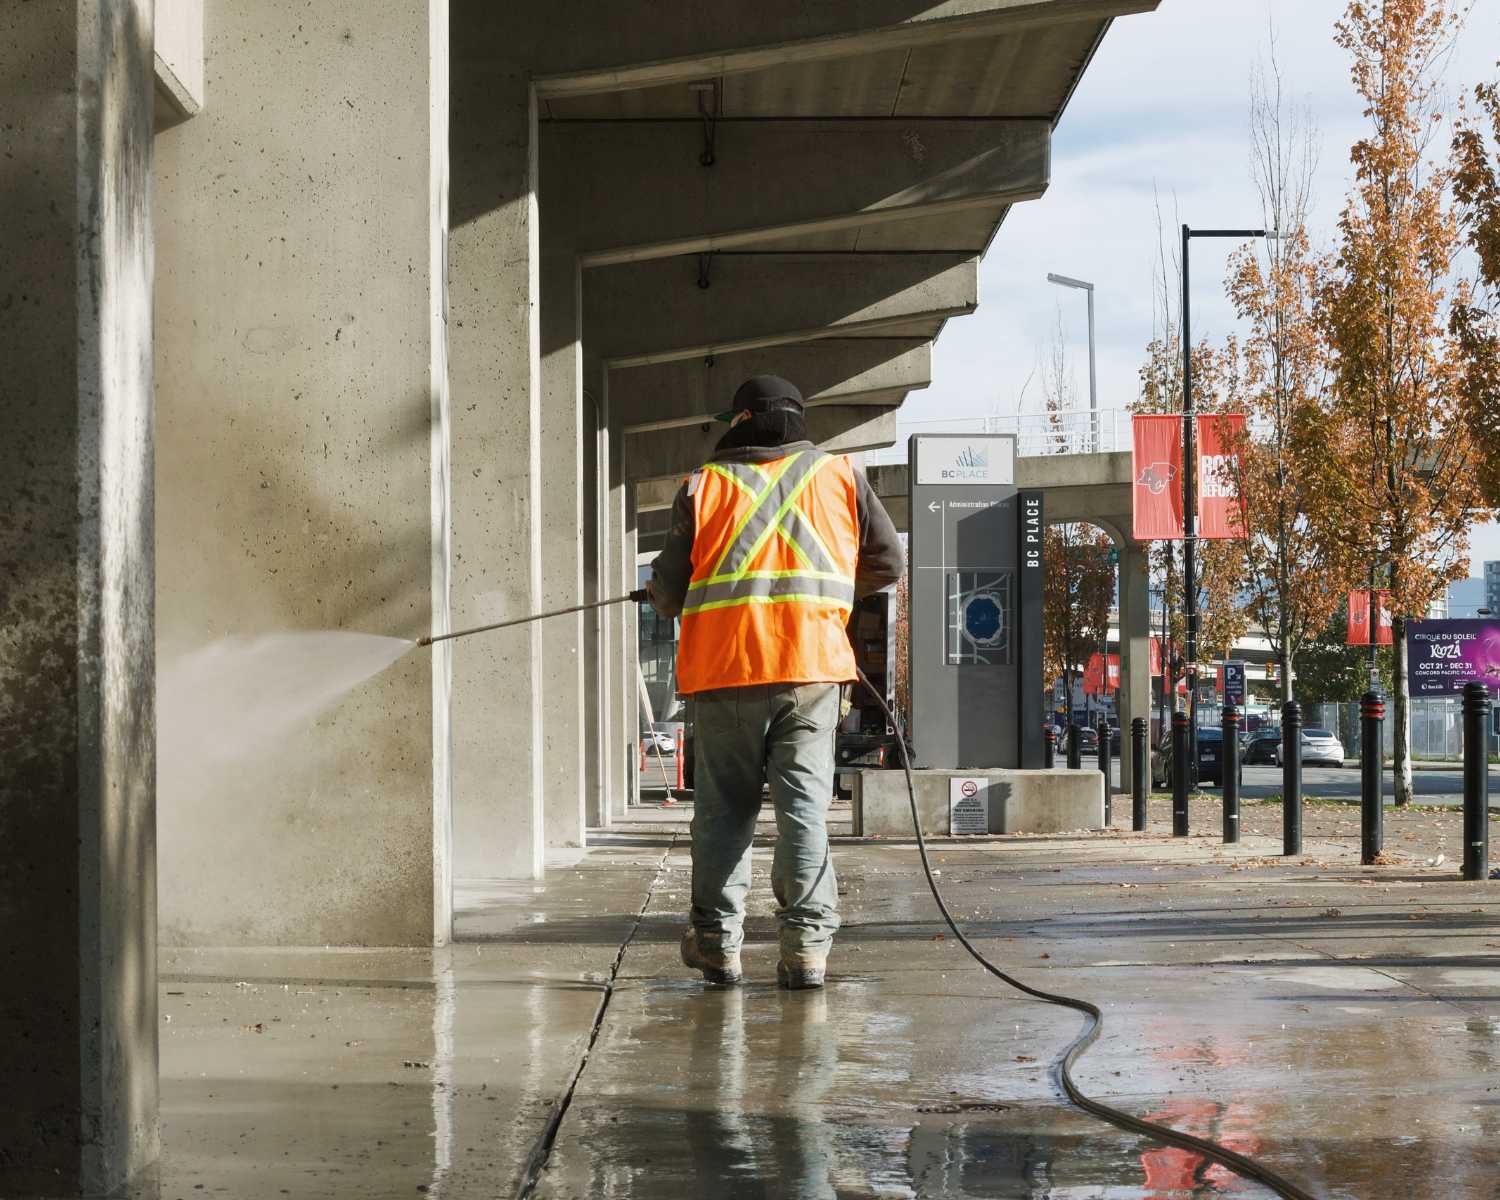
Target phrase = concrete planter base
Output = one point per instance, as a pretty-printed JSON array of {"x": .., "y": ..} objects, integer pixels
[{"x": 1053, "y": 801}]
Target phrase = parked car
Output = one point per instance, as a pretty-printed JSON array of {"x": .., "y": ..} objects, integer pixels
[
  {"x": 1260, "y": 745},
  {"x": 657, "y": 742},
  {"x": 1211, "y": 757},
  {"x": 1318, "y": 746}
]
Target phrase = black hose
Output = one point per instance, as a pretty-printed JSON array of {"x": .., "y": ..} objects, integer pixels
[{"x": 1238, "y": 1163}]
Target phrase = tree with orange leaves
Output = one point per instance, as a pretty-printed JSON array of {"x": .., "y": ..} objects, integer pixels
[
  {"x": 1077, "y": 591},
  {"x": 1221, "y": 563},
  {"x": 1079, "y": 584},
  {"x": 1396, "y": 487},
  {"x": 1290, "y": 587},
  {"x": 1476, "y": 314}
]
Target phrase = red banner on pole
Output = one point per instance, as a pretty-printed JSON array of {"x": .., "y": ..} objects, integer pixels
[
  {"x": 1093, "y": 675},
  {"x": 1156, "y": 466},
  {"x": 1156, "y": 656},
  {"x": 1359, "y": 618},
  {"x": 1221, "y": 508}
]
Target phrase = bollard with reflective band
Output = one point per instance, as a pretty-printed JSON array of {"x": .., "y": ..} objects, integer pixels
[
  {"x": 1291, "y": 778},
  {"x": 1231, "y": 768},
  {"x": 1371, "y": 804},
  {"x": 1049, "y": 746},
  {"x": 1180, "y": 741},
  {"x": 681, "y": 756},
  {"x": 1104, "y": 760},
  {"x": 1075, "y": 746},
  {"x": 1140, "y": 773},
  {"x": 1476, "y": 781}
]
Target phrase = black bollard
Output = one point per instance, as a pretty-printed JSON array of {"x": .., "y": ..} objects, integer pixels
[
  {"x": 1140, "y": 773},
  {"x": 1049, "y": 745},
  {"x": 1179, "y": 774},
  {"x": 1371, "y": 803},
  {"x": 1476, "y": 781},
  {"x": 1105, "y": 755},
  {"x": 1075, "y": 748},
  {"x": 1291, "y": 778},
  {"x": 1231, "y": 768}
]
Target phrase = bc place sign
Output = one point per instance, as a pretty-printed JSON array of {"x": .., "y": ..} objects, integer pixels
[{"x": 981, "y": 459}]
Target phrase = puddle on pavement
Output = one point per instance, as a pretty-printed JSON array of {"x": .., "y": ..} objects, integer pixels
[{"x": 854, "y": 1093}]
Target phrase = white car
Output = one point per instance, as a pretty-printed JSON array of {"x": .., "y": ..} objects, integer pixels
[
  {"x": 1318, "y": 746},
  {"x": 657, "y": 742}
]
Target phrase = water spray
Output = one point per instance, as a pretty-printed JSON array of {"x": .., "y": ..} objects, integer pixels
[{"x": 638, "y": 597}]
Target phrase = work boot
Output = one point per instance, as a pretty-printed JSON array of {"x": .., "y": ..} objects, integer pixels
[
  {"x": 706, "y": 953},
  {"x": 799, "y": 972}
]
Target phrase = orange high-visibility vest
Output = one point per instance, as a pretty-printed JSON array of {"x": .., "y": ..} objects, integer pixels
[{"x": 774, "y": 549}]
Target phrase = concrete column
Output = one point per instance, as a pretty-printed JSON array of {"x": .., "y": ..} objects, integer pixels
[
  {"x": 1135, "y": 647},
  {"x": 78, "y": 1014},
  {"x": 494, "y": 299},
  {"x": 619, "y": 701},
  {"x": 595, "y": 628},
  {"x": 302, "y": 474},
  {"x": 563, "y": 645}
]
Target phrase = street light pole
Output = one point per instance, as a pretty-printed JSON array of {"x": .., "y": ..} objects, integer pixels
[
  {"x": 1067, "y": 281},
  {"x": 1190, "y": 492}
]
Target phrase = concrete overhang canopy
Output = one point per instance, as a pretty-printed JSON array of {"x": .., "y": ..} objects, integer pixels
[
  {"x": 874, "y": 371},
  {"x": 627, "y": 190},
  {"x": 637, "y": 314},
  {"x": 899, "y": 58}
]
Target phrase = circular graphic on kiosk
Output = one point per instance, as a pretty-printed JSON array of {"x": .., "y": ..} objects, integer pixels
[{"x": 983, "y": 621}]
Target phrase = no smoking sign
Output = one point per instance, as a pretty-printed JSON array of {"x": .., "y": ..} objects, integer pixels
[{"x": 968, "y": 805}]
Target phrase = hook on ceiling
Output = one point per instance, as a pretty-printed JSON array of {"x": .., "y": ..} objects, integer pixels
[
  {"x": 708, "y": 112},
  {"x": 705, "y": 264}
]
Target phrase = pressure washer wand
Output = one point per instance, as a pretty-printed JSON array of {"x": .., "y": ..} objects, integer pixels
[{"x": 638, "y": 596}]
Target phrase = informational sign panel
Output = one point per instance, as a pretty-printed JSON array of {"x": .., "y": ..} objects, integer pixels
[
  {"x": 965, "y": 460},
  {"x": 968, "y": 805},
  {"x": 1443, "y": 656},
  {"x": 1234, "y": 683},
  {"x": 975, "y": 560}
]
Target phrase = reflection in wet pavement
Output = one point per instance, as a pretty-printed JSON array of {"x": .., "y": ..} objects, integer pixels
[{"x": 1347, "y": 1036}]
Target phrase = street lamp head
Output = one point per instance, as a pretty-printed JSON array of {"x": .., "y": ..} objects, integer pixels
[{"x": 1069, "y": 281}]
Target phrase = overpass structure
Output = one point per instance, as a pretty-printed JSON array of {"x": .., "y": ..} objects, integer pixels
[{"x": 368, "y": 318}]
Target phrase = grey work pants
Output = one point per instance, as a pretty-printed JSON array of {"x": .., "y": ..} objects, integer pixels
[{"x": 743, "y": 738}]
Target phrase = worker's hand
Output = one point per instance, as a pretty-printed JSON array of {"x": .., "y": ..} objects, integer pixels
[{"x": 642, "y": 595}]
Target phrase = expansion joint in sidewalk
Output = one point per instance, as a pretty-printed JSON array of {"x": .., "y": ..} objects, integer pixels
[{"x": 536, "y": 1162}]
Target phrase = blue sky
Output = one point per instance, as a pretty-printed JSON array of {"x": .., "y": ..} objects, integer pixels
[{"x": 1161, "y": 114}]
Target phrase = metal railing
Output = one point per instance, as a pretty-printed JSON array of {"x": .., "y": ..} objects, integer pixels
[{"x": 1037, "y": 433}]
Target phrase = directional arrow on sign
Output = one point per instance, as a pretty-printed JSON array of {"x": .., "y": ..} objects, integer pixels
[{"x": 934, "y": 506}]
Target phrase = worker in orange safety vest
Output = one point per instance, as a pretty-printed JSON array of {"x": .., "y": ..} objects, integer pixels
[{"x": 771, "y": 543}]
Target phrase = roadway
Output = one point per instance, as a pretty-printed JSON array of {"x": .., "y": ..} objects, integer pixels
[{"x": 1432, "y": 786}]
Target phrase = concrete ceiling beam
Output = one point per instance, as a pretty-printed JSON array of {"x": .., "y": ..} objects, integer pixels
[
  {"x": 670, "y": 454},
  {"x": 629, "y": 190},
  {"x": 632, "y": 44},
  {"x": 637, "y": 314},
  {"x": 831, "y": 371}
]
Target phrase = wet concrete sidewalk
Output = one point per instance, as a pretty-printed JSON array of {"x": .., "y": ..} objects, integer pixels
[{"x": 1341, "y": 1023}]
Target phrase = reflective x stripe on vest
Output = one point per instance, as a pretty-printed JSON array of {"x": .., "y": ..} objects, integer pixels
[{"x": 774, "y": 508}]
